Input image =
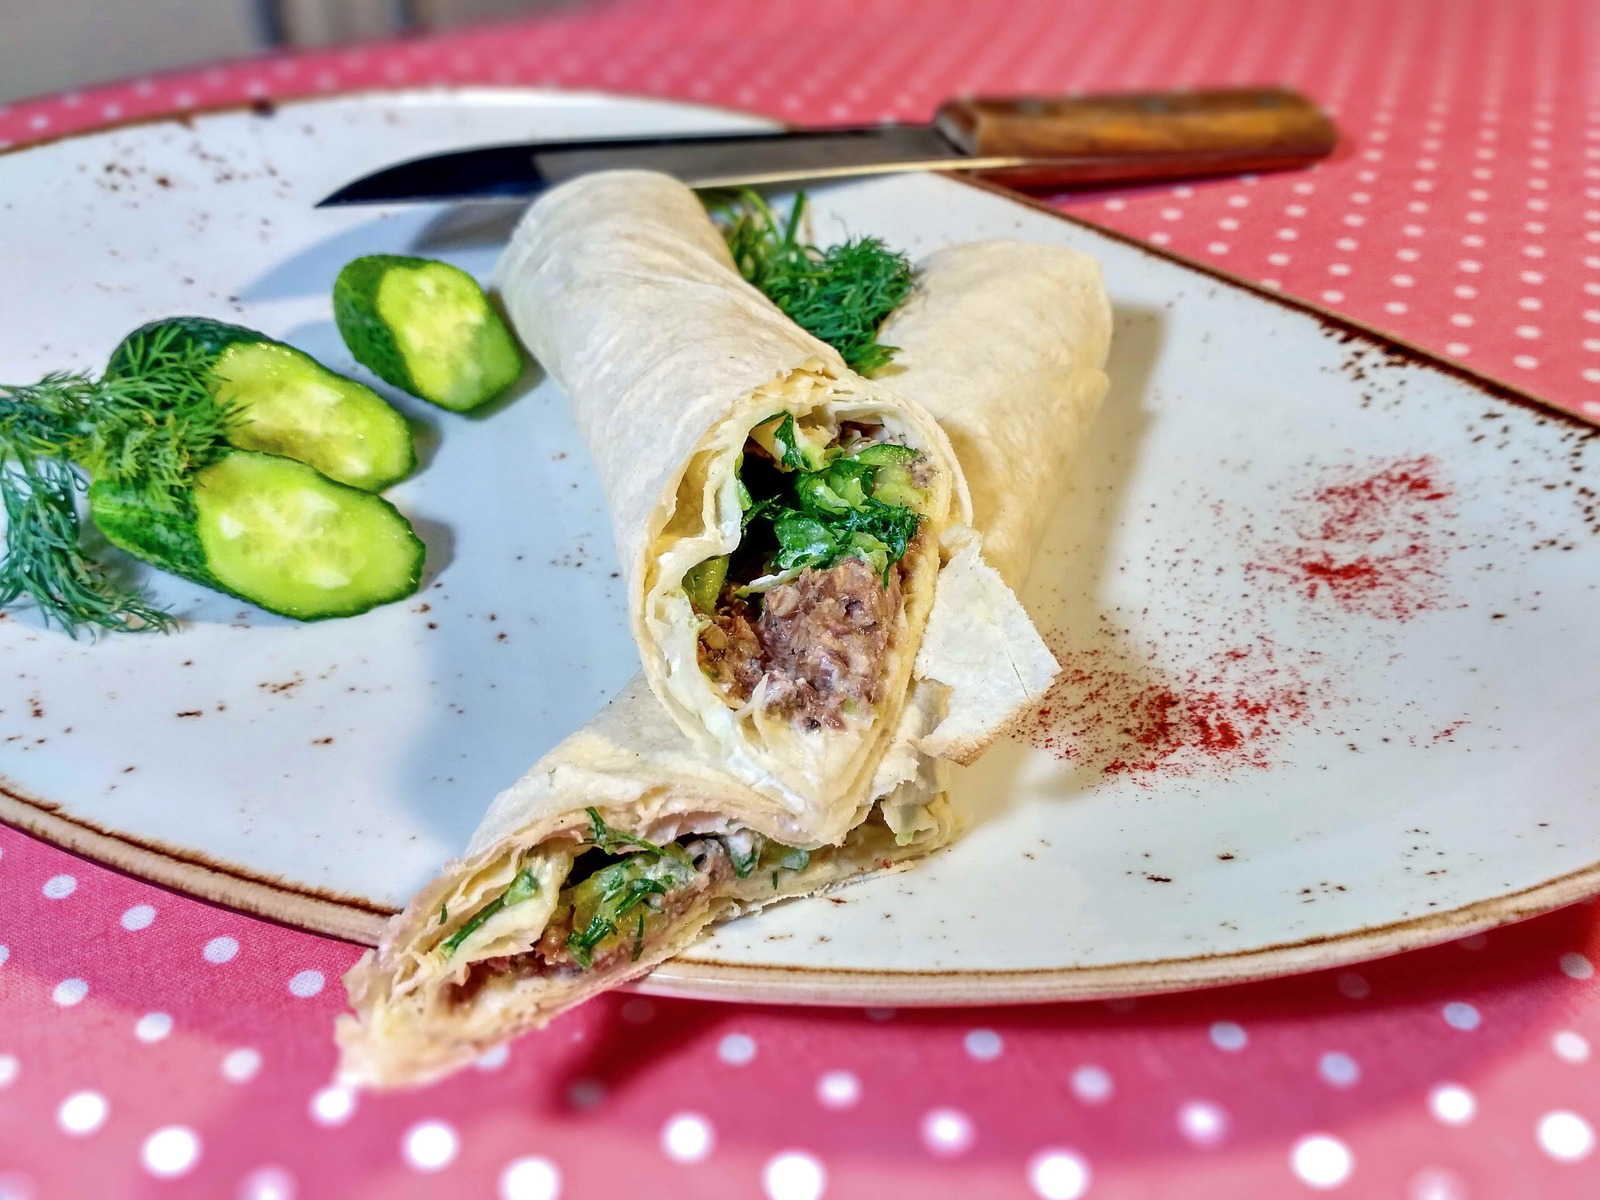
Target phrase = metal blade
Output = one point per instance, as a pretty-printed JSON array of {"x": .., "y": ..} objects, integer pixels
[
  {"x": 718, "y": 160},
  {"x": 489, "y": 173}
]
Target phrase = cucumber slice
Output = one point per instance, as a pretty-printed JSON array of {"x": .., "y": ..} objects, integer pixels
[
  {"x": 884, "y": 453},
  {"x": 297, "y": 408},
  {"x": 294, "y": 406},
  {"x": 272, "y": 531},
  {"x": 703, "y": 582},
  {"x": 895, "y": 485},
  {"x": 427, "y": 328}
]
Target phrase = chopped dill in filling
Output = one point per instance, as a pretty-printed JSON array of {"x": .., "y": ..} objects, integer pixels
[
  {"x": 622, "y": 887},
  {"x": 809, "y": 599}
]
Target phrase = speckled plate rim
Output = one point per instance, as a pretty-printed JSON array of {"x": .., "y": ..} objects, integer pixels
[{"x": 354, "y": 920}]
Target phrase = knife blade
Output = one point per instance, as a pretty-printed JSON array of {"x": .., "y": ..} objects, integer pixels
[{"x": 1039, "y": 142}]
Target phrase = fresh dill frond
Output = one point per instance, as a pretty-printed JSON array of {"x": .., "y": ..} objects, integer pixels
[
  {"x": 840, "y": 294},
  {"x": 152, "y": 424},
  {"x": 610, "y": 840},
  {"x": 44, "y": 560},
  {"x": 524, "y": 886}
]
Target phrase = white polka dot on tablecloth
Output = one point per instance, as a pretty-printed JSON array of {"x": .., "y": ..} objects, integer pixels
[
  {"x": 736, "y": 1049},
  {"x": 1321, "y": 1161},
  {"x": 306, "y": 984},
  {"x": 170, "y": 1151},
  {"x": 69, "y": 992},
  {"x": 794, "y": 1175},
  {"x": 1576, "y": 966},
  {"x": 332, "y": 1105},
  {"x": 138, "y": 917},
  {"x": 1436, "y": 1183},
  {"x": 153, "y": 1026},
  {"x": 687, "y": 1138},
  {"x": 1339, "y": 1070},
  {"x": 585, "y": 1094},
  {"x": 1091, "y": 1084},
  {"x": 1458, "y": 1014},
  {"x": 1565, "y": 1136},
  {"x": 10, "y": 1068},
  {"x": 59, "y": 887},
  {"x": 985, "y": 1045},
  {"x": 1228, "y": 1035},
  {"x": 838, "y": 1090},
  {"x": 5, "y": 953},
  {"x": 1570, "y": 1046},
  {"x": 1058, "y": 1175},
  {"x": 241, "y": 1065},
  {"x": 638, "y": 1011},
  {"x": 1452, "y": 1104},
  {"x": 1203, "y": 1123},
  {"x": 267, "y": 1183},
  {"x": 530, "y": 1179},
  {"x": 82, "y": 1113},
  {"x": 946, "y": 1132},
  {"x": 430, "y": 1145},
  {"x": 493, "y": 1058},
  {"x": 220, "y": 950}
]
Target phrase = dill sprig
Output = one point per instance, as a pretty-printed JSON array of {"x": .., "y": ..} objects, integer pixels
[
  {"x": 151, "y": 423},
  {"x": 840, "y": 294}
]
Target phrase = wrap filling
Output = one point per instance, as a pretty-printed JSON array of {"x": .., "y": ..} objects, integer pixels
[
  {"x": 619, "y": 893},
  {"x": 805, "y": 608}
]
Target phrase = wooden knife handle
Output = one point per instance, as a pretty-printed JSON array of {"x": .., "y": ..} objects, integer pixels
[{"x": 1139, "y": 136}]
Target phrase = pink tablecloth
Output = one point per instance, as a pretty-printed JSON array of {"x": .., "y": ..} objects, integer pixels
[{"x": 153, "y": 1045}]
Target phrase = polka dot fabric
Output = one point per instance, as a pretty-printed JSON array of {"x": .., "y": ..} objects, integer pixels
[
  {"x": 151, "y": 1045},
  {"x": 167, "y": 1069}
]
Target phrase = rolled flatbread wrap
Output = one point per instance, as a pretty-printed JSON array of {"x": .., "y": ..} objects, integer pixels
[
  {"x": 782, "y": 522},
  {"x": 556, "y": 902},
  {"x": 1016, "y": 390},
  {"x": 521, "y": 929}
]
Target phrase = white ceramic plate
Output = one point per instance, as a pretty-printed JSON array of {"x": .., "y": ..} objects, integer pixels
[{"x": 1325, "y": 607}]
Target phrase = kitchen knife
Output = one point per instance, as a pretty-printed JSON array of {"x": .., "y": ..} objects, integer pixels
[{"x": 1034, "y": 143}]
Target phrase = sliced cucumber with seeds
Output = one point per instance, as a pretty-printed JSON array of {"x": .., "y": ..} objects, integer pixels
[
  {"x": 425, "y": 327},
  {"x": 703, "y": 582},
  {"x": 272, "y": 531},
  {"x": 294, "y": 406}
]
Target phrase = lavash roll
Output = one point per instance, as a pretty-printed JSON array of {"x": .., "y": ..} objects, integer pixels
[
  {"x": 422, "y": 1013},
  {"x": 1005, "y": 342},
  {"x": 996, "y": 331},
  {"x": 624, "y": 290},
  {"x": 1017, "y": 387}
]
